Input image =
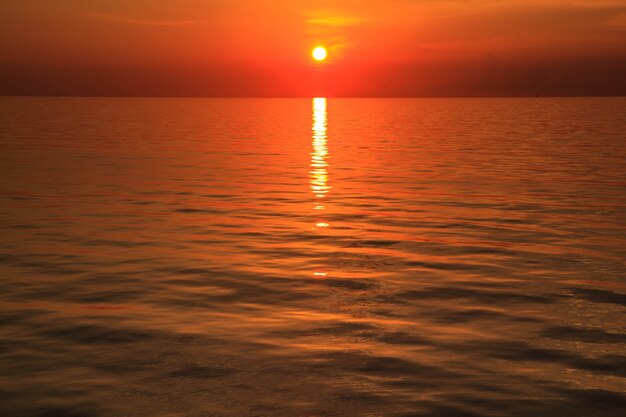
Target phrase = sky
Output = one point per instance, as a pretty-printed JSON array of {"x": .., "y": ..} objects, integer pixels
[{"x": 262, "y": 48}]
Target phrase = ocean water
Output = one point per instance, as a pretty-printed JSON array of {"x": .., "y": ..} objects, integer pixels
[{"x": 312, "y": 258}]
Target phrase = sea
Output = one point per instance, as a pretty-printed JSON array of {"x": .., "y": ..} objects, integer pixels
[{"x": 312, "y": 257}]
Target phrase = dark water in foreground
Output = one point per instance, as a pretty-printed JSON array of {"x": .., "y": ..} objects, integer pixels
[{"x": 242, "y": 258}]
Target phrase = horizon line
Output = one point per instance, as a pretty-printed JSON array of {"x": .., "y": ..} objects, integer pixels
[{"x": 308, "y": 97}]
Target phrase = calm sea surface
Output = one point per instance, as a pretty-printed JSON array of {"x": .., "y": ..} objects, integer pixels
[{"x": 312, "y": 258}]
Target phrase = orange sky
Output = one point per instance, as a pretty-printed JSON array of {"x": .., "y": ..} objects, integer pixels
[{"x": 262, "y": 47}]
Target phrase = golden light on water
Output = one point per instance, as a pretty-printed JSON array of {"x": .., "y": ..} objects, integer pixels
[
  {"x": 318, "y": 180},
  {"x": 319, "y": 155}
]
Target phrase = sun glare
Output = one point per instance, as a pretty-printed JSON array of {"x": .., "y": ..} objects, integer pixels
[{"x": 319, "y": 53}]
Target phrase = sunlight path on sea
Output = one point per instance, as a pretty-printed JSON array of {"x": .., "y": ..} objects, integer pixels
[{"x": 319, "y": 166}]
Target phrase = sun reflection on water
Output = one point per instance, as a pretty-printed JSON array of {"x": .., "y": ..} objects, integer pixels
[
  {"x": 319, "y": 155},
  {"x": 319, "y": 164}
]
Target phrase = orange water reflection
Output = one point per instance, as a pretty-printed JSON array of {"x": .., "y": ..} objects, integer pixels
[
  {"x": 158, "y": 248},
  {"x": 319, "y": 154},
  {"x": 319, "y": 163}
]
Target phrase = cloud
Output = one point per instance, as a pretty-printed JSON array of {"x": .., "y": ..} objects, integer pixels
[
  {"x": 129, "y": 20},
  {"x": 618, "y": 21},
  {"x": 335, "y": 20}
]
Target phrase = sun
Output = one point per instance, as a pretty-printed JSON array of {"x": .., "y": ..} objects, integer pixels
[{"x": 319, "y": 53}]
